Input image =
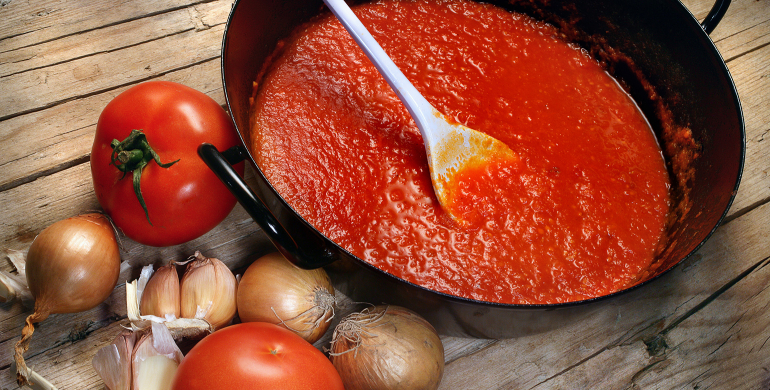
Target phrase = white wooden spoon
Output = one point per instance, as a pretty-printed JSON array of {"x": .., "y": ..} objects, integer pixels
[{"x": 450, "y": 146}]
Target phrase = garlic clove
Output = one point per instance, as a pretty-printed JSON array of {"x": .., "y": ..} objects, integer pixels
[
  {"x": 161, "y": 294},
  {"x": 155, "y": 360},
  {"x": 180, "y": 328},
  {"x": 208, "y": 291},
  {"x": 156, "y": 373},
  {"x": 113, "y": 362}
]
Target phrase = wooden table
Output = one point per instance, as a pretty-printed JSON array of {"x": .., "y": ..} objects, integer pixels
[{"x": 704, "y": 325}]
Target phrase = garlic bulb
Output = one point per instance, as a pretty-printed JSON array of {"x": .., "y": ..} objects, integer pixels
[
  {"x": 160, "y": 297},
  {"x": 141, "y": 360},
  {"x": 208, "y": 291}
]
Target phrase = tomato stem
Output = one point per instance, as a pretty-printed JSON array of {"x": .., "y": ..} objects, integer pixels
[{"x": 132, "y": 155}]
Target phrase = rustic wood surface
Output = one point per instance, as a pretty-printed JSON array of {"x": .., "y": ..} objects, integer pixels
[{"x": 704, "y": 325}]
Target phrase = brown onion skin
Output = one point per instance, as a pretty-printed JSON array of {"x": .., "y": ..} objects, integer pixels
[
  {"x": 272, "y": 289},
  {"x": 81, "y": 279},
  {"x": 398, "y": 350},
  {"x": 72, "y": 266}
]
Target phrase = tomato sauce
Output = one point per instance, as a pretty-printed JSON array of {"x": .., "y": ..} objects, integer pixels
[{"x": 578, "y": 214}]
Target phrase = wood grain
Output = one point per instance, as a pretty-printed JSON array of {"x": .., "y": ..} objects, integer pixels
[
  {"x": 752, "y": 79},
  {"x": 111, "y": 38},
  {"x": 38, "y": 89},
  {"x": 703, "y": 325},
  {"x": 29, "y": 23}
]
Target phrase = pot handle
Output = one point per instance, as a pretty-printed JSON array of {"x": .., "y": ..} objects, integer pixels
[
  {"x": 305, "y": 246},
  {"x": 715, "y": 15}
]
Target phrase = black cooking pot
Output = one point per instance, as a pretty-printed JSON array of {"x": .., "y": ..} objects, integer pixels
[{"x": 655, "y": 47}]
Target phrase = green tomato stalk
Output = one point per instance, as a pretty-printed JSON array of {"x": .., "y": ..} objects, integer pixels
[{"x": 132, "y": 155}]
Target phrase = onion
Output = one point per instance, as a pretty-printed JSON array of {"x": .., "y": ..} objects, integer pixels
[
  {"x": 274, "y": 290},
  {"x": 72, "y": 266},
  {"x": 387, "y": 347}
]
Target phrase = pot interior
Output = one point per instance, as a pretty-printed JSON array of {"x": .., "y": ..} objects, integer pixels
[{"x": 656, "y": 49}]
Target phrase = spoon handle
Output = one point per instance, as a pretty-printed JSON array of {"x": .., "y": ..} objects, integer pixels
[{"x": 415, "y": 103}]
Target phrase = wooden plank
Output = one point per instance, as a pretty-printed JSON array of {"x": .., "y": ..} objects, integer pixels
[
  {"x": 745, "y": 26},
  {"x": 752, "y": 79},
  {"x": 41, "y": 88},
  {"x": 28, "y": 209},
  {"x": 724, "y": 345},
  {"x": 620, "y": 327},
  {"x": 53, "y": 139},
  {"x": 752, "y": 38},
  {"x": 28, "y": 23},
  {"x": 112, "y": 37}
]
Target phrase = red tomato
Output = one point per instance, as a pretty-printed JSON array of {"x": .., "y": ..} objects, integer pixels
[
  {"x": 183, "y": 201},
  {"x": 255, "y": 355}
]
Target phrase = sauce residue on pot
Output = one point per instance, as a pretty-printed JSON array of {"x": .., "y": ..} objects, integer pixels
[{"x": 579, "y": 215}]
